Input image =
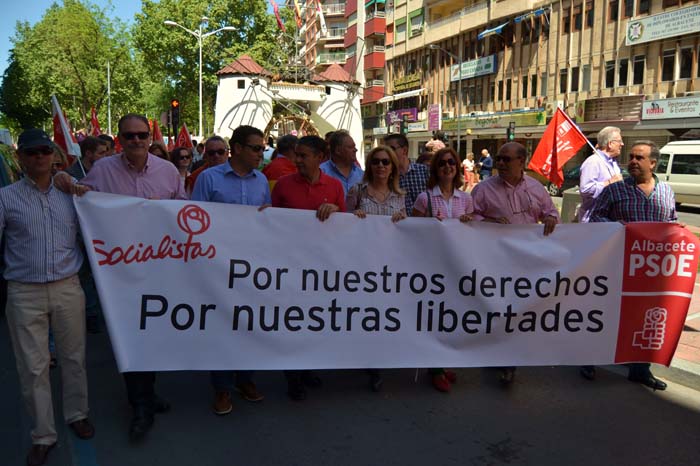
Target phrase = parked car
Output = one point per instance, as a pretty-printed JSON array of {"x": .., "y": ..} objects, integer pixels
[{"x": 679, "y": 166}]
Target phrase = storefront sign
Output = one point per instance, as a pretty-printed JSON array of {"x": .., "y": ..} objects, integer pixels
[
  {"x": 682, "y": 107},
  {"x": 434, "y": 121},
  {"x": 664, "y": 25},
  {"x": 407, "y": 82},
  {"x": 417, "y": 126},
  {"x": 496, "y": 120},
  {"x": 396, "y": 116},
  {"x": 473, "y": 68},
  {"x": 379, "y": 131}
]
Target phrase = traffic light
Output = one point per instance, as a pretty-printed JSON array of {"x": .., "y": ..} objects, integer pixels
[
  {"x": 175, "y": 114},
  {"x": 510, "y": 132},
  {"x": 404, "y": 124}
]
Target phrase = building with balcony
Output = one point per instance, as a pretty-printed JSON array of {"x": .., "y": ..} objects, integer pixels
[{"x": 482, "y": 64}]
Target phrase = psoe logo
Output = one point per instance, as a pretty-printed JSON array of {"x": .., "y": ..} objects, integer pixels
[
  {"x": 192, "y": 220},
  {"x": 651, "y": 337}
]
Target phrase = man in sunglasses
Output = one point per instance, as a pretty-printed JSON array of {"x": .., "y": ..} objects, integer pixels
[
  {"x": 513, "y": 198},
  {"x": 215, "y": 153},
  {"x": 235, "y": 182},
  {"x": 42, "y": 258},
  {"x": 413, "y": 177},
  {"x": 342, "y": 164},
  {"x": 137, "y": 173}
]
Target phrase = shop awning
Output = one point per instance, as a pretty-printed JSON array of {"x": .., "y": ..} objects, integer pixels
[
  {"x": 531, "y": 14},
  {"x": 492, "y": 31},
  {"x": 670, "y": 123},
  {"x": 401, "y": 95}
]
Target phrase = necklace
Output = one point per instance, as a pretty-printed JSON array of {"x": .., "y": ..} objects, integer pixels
[{"x": 377, "y": 194}]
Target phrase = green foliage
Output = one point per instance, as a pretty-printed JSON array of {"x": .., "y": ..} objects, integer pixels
[
  {"x": 66, "y": 54},
  {"x": 171, "y": 55}
]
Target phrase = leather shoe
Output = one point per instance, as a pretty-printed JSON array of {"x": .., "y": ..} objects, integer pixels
[
  {"x": 83, "y": 429},
  {"x": 38, "y": 454},
  {"x": 649, "y": 380},
  {"x": 507, "y": 375},
  {"x": 141, "y": 423},
  {"x": 310, "y": 379},
  {"x": 296, "y": 390},
  {"x": 587, "y": 372},
  {"x": 375, "y": 382}
]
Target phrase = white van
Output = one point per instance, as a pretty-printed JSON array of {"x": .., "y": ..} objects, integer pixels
[{"x": 679, "y": 166}]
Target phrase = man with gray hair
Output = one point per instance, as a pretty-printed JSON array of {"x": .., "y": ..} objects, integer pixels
[
  {"x": 640, "y": 198},
  {"x": 600, "y": 169}
]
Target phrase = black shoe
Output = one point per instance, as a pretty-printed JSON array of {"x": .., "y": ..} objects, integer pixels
[
  {"x": 296, "y": 390},
  {"x": 160, "y": 405},
  {"x": 649, "y": 380},
  {"x": 310, "y": 379},
  {"x": 141, "y": 423},
  {"x": 375, "y": 382},
  {"x": 587, "y": 372},
  {"x": 507, "y": 375}
]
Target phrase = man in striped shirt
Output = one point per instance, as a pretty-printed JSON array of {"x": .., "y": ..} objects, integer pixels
[
  {"x": 639, "y": 198},
  {"x": 42, "y": 258}
]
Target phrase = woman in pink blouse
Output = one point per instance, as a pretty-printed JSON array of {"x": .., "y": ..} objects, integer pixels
[{"x": 443, "y": 199}]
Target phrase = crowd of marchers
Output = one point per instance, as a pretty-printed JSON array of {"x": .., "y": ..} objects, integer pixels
[{"x": 50, "y": 284}]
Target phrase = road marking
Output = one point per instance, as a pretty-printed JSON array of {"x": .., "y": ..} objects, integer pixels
[{"x": 658, "y": 293}]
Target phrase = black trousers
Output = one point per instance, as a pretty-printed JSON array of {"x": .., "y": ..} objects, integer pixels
[{"x": 140, "y": 389}]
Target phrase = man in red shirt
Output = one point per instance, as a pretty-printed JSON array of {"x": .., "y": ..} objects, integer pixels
[
  {"x": 308, "y": 189},
  {"x": 283, "y": 164}
]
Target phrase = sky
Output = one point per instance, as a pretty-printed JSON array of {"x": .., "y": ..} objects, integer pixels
[{"x": 33, "y": 10}]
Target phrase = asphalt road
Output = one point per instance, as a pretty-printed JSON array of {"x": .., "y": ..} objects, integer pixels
[{"x": 551, "y": 416}]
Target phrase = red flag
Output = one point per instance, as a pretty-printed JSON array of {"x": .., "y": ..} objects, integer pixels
[
  {"x": 96, "y": 131},
  {"x": 276, "y": 9},
  {"x": 62, "y": 135},
  {"x": 297, "y": 13},
  {"x": 183, "y": 138},
  {"x": 157, "y": 135},
  {"x": 561, "y": 140},
  {"x": 117, "y": 145}
]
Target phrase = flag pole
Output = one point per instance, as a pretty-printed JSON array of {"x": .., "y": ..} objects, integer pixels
[{"x": 574, "y": 124}]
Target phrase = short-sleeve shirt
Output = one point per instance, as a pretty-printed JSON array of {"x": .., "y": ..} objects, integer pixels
[
  {"x": 625, "y": 202},
  {"x": 295, "y": 192},
  {"x": 459, "y": 203},
  {"x": 359, "y": 198},
  {"x": 331, "y": 169}
]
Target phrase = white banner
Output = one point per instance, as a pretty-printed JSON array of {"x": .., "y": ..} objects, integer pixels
[
  {"x": 473, "y": 68},
  {"x": 663, "y": 25},
  {"x": 187, "y": 285}
]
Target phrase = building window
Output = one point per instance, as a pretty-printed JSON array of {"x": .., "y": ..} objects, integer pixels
[
  {"x": 590, "y": 17},
  {"x": 545, "y": 29},
  {"x": 643, "y": 7},
  {"x": 610, "y": 73},
  {"x": 492, "y": 92},
  {"x": 586, "y": 78},
  {"x": 613, "y": 7},
  {"x": 543, "y": 84},
  {"x": 563, "y": 80},
  {"x": 670, "y": 3},
  {"x": 525, "y": 31},
  {"x": 629, "y": 8},
  {"x": 566, "y": 20},
  {"x": 578, "y": 18},
  {"x": 241, "y": 84},
  {"x": 638, "y": 70},
  {"x": 667, "y": 67},
  {"x": 533, "y": 86},
  {"x": 499, "y": 90},
  {"x": 523, "y": 87},
  {"x": 509, "y": 87},
  {"x": 623, "y": 68},
  {"x": 686, "y": 63},
  {"x": 574, "y": 79},
  {"x": 478, "y": 96}
]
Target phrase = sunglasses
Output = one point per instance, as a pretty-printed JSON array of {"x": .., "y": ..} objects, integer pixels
[
  {"x": 143, "y": 135},
  {"x": 185, "y": 157},
  {"x": 384, "y": 162},
  {"x": 217, "y": 152},
  {"x": 255, "y": 148},
  {"x": 38, "y": 151},
  {"x": 450, "y": 162}
]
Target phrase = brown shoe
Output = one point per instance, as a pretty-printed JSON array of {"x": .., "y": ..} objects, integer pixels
[
  {"x": 83, "y": 429},
  {"x": 38, "y": 454},
  {"x": 249, "y": 392},
  {"x": 222, "y": 403}
]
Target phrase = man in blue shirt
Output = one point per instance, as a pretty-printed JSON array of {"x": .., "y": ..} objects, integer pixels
[
  {"x": 343, "y": 162},
  {"x": 42, "y": 259},
  {"x": 236, "y": 182},
  {"x": 485, "y": 165}
]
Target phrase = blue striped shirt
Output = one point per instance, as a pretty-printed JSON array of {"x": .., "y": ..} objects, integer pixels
[
  {"x": 625, "y": 202},
  {"x": 41, "y": 233}
]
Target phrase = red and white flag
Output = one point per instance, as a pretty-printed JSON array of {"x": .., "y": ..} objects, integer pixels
[
  {"x": 157, "y": 135},
  {"x": 183, "y": 138},
  {"x": 297, "y": 13},
  {"x": 95, "y": 130},
  {"x": 322, "y": 19},
  {"x": 561, "y": 140},
  {"x": 62, "y": 135},
  {"x": 276, "y": 10}
]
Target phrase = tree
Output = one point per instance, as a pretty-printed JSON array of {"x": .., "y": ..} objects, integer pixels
[
  {"x": 66, "y": 53},
  {"x": 171, "y": 55}
]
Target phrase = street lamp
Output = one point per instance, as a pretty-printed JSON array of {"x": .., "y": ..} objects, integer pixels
[
  {"x": 198, "y": 34},
  {"x": 459, "y": 93}
]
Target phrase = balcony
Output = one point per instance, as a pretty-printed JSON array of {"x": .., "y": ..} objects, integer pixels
[
  {"x": 333, "y": 9},
  {"x": 463, "y": 20},
  {"x": 335, "y": 34},
  {"x": 374, "y": 58},
  {"x": 375, "y": 14},
  {"x": 375, "y": 25},
  {"x": 374, "y": 83},
  {"x": 371, "y": 122},
  {"x": 350, "y": 36},
  {"x": 374, "y": 90},
  {"x": 330, "y": 58}
]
